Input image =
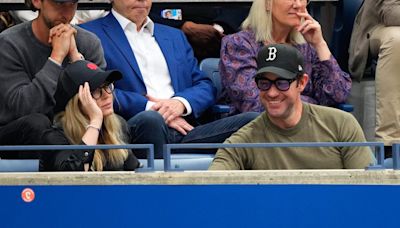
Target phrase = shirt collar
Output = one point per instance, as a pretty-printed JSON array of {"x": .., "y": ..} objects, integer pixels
[{"x": 125, "y": 22}]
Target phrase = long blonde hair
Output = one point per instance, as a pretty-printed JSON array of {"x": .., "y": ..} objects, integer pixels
[
  {"x": 74, "y": 123},
  {"x": 260, "y": 21}
]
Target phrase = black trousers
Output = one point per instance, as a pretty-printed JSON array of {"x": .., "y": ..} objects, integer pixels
[{"x": 26, "y": 130}]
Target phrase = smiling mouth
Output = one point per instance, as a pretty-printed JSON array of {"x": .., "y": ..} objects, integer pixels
[{"x": 274, "y": 102}]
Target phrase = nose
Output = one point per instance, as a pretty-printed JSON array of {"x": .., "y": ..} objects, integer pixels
[
  {"x": 298, "y": 3},
  {"x": 273, "y": 91},
  {"x": 67, "y": 9}
]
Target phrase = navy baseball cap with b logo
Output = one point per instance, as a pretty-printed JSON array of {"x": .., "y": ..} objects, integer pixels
[
  {"x": 76, "y": 74},
  {"x": 283, "y": 60}
]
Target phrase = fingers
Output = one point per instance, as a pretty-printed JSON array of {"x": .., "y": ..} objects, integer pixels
[
  {"x": 169, "y": 108},
  {"x": 305, "y": 15},
  {"x": 179, "y": 129},
  {"x": 150, "y": 98},
  {"x": 181, "y": 125},
  {"x": 168, "y": 117},
  {"x": 80, "y": 93},
  {"x": 84, "y": 94},
  {"x": 61, "y": 30},
  {"x": 309, "y": 25}
]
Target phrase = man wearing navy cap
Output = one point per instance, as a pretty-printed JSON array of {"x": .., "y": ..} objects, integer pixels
[
  {"x": 281, "y": 79},
  {"x": 33, "y": 55}
]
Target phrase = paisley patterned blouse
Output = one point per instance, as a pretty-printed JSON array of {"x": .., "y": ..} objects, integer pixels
[{"x": 328, "y": 84}]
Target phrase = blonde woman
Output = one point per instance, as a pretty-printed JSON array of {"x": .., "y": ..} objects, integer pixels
[
  {"x": 280, "y": 21},
  {"x": 84, "y": 113}
]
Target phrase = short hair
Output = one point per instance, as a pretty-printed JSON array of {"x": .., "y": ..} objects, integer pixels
[
  {"x": 260, "y": 21},
  {"x": 29, "y": 4}
]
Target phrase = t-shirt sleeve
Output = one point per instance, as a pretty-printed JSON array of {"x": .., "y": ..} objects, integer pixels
[{"x": 354, "y": 157}]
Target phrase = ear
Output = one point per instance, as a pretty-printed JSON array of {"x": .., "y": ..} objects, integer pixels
[
  {"x": 303, "y": 82},
  {"x": 37, "y": 4}
]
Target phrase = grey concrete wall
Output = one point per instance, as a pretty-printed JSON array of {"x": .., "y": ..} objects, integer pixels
[{"x": 353, "y": 177}]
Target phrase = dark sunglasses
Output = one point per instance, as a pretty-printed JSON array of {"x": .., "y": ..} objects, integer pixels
[
  {"x": 109, "y": 88},
  {"x": 281, "y": 84}
]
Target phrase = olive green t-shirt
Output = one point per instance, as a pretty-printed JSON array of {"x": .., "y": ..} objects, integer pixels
[{"x": 317, "y": 124}]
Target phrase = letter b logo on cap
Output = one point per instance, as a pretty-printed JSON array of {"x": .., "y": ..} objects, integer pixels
[{"x": 271, "y": 54}]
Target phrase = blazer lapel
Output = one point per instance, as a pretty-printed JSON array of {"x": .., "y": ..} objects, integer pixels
[
  {"x": 114, "y": 31},
  {"x": 165, "y": 43}
]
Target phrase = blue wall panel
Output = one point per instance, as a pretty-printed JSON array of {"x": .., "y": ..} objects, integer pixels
[{"x": 201, "y": 206}]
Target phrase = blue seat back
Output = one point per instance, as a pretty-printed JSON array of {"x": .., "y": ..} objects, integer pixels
[
  {"x": 18, "y": 165},
  {"x": 210, "y": 67},
  {"x": 346, "y": 12}
]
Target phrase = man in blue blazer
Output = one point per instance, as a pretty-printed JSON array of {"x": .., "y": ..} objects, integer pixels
[{"x": 163, "y": 93}]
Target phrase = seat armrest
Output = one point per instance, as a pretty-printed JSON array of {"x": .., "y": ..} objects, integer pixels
[
  {"x": 220, "y": 109},
  {"x": 345, "y": 107}
]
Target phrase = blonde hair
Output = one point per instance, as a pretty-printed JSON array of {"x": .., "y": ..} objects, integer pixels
[
  {"x": 74, "y": 123},
  {"x": 260, "y": 21}
]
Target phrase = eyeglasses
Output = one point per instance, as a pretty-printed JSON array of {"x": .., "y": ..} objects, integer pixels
[
  {"x": 109, "y": 88},
  {"x": 281, "y": 84}
]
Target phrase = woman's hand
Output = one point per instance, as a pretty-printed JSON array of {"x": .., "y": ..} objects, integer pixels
[
  {"x": 312, "y": 33},
  {"x": 89, "y": 106}
]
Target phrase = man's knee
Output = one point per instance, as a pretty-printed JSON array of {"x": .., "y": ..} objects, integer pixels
[
  {"x": 35, "y": 122},
  {"x": 151, "y": 120},
  {"x": 390, "y": 37},
  {"x": 246, "y": 117}
]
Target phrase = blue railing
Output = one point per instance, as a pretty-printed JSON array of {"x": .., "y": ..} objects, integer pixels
[
  {"x": 169, "y": 147},
  {"x": 148, "y": 147}
]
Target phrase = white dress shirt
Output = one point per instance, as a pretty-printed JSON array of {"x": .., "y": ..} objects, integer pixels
[{"x": 150, "y": 59}]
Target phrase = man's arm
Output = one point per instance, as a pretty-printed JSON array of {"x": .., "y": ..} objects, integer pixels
[
  {"x": 89, "y": 46},
  {"x": 226, "y": 159},
  {"x": 198, "y": 90},
  {"x": 354, "y": 157},
  {"x": 21, "y": 93}
]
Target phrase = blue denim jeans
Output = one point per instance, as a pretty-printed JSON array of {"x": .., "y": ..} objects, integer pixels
[{"x": 149, "y": 127}]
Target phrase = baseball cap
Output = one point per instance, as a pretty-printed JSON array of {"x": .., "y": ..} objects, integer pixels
[
  {"x": 76, "y": 74},
  {"x": 65, "y": 1},
  {"x": 29, "y": 4},
  {"x": 281, "y": 59}
]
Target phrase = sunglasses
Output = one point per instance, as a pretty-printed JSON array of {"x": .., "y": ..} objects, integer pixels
[
  {"x": 109, "y": 88},
  {"x": 281, "y": 84}
]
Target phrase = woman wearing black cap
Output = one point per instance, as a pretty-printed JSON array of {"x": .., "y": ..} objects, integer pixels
[{"x": 84, "y": 113}]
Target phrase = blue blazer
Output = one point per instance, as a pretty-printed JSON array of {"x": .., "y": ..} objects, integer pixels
[{"x": 187, "y": 79}]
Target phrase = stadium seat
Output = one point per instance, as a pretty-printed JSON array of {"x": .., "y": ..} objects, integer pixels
[
  {"x": 17, "y": 165},
  {"x": 184, "y": 162},
  {"x": 210, "y": 67}
]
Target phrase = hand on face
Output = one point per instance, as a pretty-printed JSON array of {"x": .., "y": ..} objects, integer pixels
[
  {"x": 60, "y": 37},
  {"x": 89, "y": 106},
  {"x": 310, "y": 29},
  {"x": 168, "y": 108}
]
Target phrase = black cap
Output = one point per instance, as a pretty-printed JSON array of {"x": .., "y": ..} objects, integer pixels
[
  {"x": 76, "y": 74},
  {"x": 66, "y": 1},
  {"x": 281, "y": 59},
  {"x": 29, "y": 4}
]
